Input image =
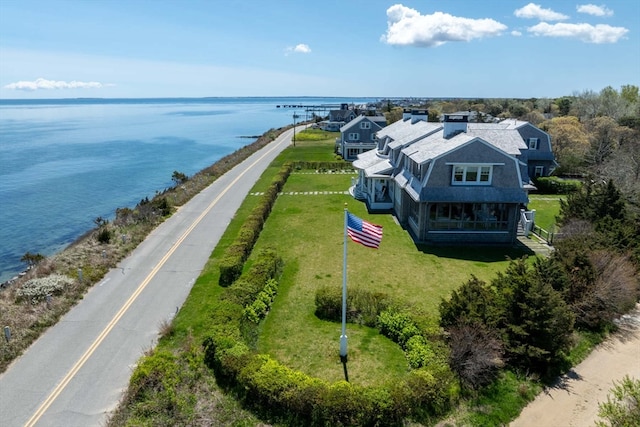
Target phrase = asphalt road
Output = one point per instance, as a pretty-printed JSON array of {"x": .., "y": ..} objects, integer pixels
[{"x": 76, "y": 372}]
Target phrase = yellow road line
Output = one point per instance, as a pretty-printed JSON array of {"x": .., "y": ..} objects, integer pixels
[{"x": 87, "y": 354}]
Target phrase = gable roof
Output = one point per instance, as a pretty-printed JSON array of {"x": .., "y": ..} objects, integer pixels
[
  {"x": 374, "y": 126},
  {"x": 373, "y": 164},
  {"x": 340, "y": 115}
]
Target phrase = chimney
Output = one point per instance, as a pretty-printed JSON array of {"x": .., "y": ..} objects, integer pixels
[
  {"x": 406, "y": 114},
  {"x": 455, "y": 123},
  {"x": 417, "y": 115}
]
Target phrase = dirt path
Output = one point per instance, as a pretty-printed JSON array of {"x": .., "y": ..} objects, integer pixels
[{"x": 573, "y": 401}]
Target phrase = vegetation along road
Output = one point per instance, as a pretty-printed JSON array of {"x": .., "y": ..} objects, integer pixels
[{"x": 75, "y": 373}]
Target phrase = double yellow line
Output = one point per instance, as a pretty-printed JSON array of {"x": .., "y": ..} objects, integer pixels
[{"x": 87, "y": 354}]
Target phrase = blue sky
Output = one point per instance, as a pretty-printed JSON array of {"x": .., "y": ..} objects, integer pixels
[{"x": 353, "y": 48}]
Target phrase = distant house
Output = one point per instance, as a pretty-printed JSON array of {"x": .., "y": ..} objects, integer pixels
[
  {"x": 358, "y": 136},
  {"x": 454, "y": 182},
  {"x": 338, "y": 118}
]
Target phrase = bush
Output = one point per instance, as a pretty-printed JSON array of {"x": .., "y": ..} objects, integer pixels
[
  {"x": 476, "y": 354},
  {"x": 36, "y": 290},
  {"x": 555, "y": 185},
  {"x": 622, "y": 408},
  {"x": 363, "y": 306},
  {"x": 397, "y": 326},
  {"x": 257, "y": 310},
  {"x": 104, "y": 235},
  {"x": 237, "y": 253}
]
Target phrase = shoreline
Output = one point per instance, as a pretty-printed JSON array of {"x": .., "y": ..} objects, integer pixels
[{"x": 17, "y": 276}]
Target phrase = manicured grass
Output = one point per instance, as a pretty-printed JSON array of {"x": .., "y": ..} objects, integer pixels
[
  {"x": 308, "y": 232},
  {"x": 311, "y": 151},
  {"x": 311, "y": 134},
  {"x": 547, "y": 207}
]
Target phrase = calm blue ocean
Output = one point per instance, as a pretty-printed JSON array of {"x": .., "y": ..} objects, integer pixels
[{"x": 64, "y": 163}]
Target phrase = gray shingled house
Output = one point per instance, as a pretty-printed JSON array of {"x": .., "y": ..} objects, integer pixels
[
  {"x": 358, "y": 136},
  {"x": 454, "y": 182}
]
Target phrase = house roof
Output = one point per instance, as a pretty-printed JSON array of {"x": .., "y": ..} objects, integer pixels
[
  {"x": 508, "y": 140},
  {"x": 372, "y": 163},
  {"x": 374, "y": 126},
  {"x": 435, "y": 145},
  {"x": 407, "y": 132},
  {"x": 340, "y": 115},
  {"x": 502, "y": 137}
]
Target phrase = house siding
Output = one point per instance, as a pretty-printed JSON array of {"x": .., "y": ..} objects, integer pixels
[{"x": 504, "y": 175}]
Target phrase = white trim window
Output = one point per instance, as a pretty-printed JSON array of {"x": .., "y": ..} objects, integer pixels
[
  {"x": 354, "y": 136},
  {"x": 533, "y": 143},
  {"x": 472, "y": 174},
  {"x": 365, "y": 125},
  {"x": 539, "y": 171}
]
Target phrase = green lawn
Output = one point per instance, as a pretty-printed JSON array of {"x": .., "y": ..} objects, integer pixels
[
  {"x": 308, "y": 232},
  {"x": 547, "y": 207}
]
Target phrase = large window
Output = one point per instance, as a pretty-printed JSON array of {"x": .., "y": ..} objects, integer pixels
[
  {"x": 472, "y": 175},
  {"x": 469, "y": 216}
]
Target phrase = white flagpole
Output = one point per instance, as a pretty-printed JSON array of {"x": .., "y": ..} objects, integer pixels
[{"x": 343, "y": 337}]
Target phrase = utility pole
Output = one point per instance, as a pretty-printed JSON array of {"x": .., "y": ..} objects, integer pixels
[{"x": 295, "y": 116}]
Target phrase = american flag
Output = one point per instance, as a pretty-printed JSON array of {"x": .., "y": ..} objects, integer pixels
[{"x": 363, "y": 232}]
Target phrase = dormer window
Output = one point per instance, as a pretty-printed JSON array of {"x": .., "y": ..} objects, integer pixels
[
  {"x": 365, "y": 125},
  {"x": 472, "y": 174},
  {"x": 533, "y": 143}
]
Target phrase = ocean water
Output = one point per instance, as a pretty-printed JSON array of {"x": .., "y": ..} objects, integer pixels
[{"x": 64, "y": 163}]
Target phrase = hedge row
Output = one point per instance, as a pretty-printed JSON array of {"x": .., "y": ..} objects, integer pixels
[
  {"x": 555, "y": 185},
  {"x": 377, "y": 310},
  {"x": 233, "y": 260},
  {"x": 291, "y": 397},
  {"x": 258, "y": 310},
  {"x": 294, "y": 398},
  {"x": 323, "y": 165}
]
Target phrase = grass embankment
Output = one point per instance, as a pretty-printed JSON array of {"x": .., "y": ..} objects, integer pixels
[{"x": 307, "y": 231}]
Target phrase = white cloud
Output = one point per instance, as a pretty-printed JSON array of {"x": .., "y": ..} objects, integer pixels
[
  {"x": 53, "y": 84},
  {"x": 536, "y": 11},
  {"x": 407, "y": 27},
  {"x": 300, "y": 48},
  {"x": 592, "y": 9},
  {"x": 516, "y": 33},
  {"x": 587, "y": 33}
]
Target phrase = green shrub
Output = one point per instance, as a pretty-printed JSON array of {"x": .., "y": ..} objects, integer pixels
[
  {"x": 104, "y": 234},
  {"x": 397, "y": 326},
  {"x": 257, "y": 310},
  {"x": 419, "y": 353},
  {"x": 237, "y": 253},
  {"x": 230, "y": 268},
  {"x": 363, "y": 306},
  {"x": 622, "y": 408},
  {"x": 555, "y": 185}
]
